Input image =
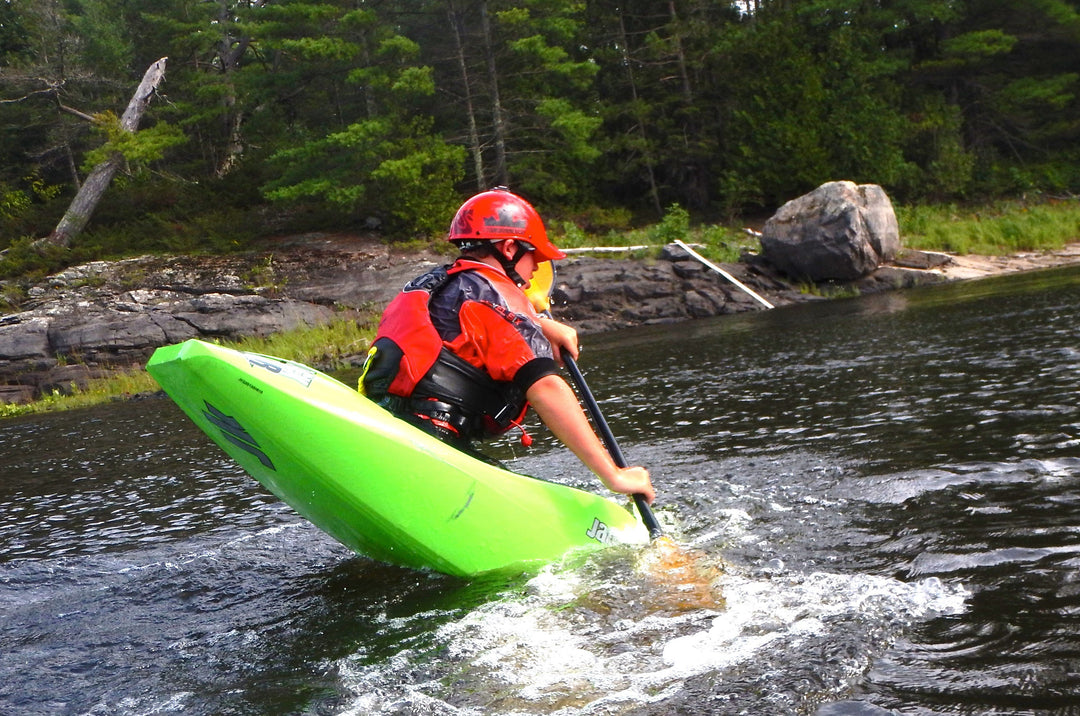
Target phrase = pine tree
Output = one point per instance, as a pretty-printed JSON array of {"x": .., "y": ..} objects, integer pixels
[{"x": 384, "y": 161}]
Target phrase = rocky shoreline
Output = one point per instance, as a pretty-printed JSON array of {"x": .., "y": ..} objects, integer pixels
[{"x": 88, "y": 320}]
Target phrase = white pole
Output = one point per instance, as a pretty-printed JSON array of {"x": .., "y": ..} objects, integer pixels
[
  {"x": 724, "y": 273},
  {"x": 606, "y": 249}
]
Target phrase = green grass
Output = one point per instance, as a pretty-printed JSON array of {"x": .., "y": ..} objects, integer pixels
[
  {"x": 722, "y": 244},
  {"x": 1002, "y": 228},
  {"x": 327, "y": 345},
  {"x": 101, "y": 390}
]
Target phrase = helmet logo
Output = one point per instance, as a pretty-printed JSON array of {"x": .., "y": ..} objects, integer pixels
[
  {"x": 463, "y": 223},
  {"x": 505, "y": 218}
]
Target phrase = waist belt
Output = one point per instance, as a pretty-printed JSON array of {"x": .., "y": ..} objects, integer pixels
[
  {"x": 444, "y": 415},
  {"x": 468, "y": 394}
]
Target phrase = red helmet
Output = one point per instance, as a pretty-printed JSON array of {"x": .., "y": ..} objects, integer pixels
[{"x": 498, "y": 215}]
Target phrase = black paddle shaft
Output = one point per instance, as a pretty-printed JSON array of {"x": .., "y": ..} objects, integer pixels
[{"x": 647, "y": 516}]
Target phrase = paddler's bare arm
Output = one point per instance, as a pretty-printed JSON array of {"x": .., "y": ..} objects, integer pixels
[{"x": 558, "y": 407}]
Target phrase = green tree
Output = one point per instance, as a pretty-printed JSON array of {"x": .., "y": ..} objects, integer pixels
[
  {"x": 372, "y": 108},
  {"x": 660, "y": 101},
  {"x": 815, "y": 96},
  {"x": 1010, "y": 72},
  {"x": 517, "y": 85},
  {"x": 48, "y": 89},
  {"x": 385, "y": 161},
  {"x": 210, "y": 48},
  {"x": 73, "y": 64},
  {"x": 12, "y": 33},
  {"x": 551, "y": 104}
]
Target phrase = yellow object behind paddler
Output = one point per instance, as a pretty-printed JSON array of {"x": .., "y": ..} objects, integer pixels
[
  {"x": 540, "y": 285},
  {"x": 367, "y": 364}
]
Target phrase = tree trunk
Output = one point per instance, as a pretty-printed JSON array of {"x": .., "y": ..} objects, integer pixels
[
  {"x": 639, "y": 121},
  {"x": 498, "y": 122},
  {"x": 230, "y": 50},
  {"x": 92, "y": 189},
  {"x": 470, "y": 112},
  {"x": 680, "y": 54}
]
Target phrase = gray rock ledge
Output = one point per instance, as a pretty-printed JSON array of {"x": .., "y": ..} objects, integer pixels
[{"x": 89, "y": 319}]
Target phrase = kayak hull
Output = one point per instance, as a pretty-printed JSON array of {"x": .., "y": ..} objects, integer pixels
[{"x": 378, "y": 485}]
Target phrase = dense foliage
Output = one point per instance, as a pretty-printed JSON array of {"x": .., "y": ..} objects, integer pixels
[{"x": 389, "y": 112}]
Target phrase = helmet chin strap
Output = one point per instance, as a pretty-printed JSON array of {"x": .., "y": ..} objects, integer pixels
[{"x": 510, "y": 264}]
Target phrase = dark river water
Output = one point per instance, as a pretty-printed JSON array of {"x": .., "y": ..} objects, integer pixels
[{"x": 890, "y": 484}]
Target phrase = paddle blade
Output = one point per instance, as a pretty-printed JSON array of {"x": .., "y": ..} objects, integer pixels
[
  {"x": 541, "y": 285},
  {"x": 688, "y": 579}
]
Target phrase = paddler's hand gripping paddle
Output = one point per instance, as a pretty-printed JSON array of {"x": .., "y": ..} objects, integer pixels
[{"x": 539, "y": 293}]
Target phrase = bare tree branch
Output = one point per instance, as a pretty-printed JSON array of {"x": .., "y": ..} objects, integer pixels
[
  {"x": 71, "y": 110},
  {"x": 28, "y": 95}
]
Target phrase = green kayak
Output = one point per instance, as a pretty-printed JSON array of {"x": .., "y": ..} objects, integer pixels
[{"x": 373, "y": 482}]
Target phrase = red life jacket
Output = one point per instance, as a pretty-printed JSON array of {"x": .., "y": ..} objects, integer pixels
[
  {"x": 407, "y": 323},
  {"x": 409, "y": 368}
]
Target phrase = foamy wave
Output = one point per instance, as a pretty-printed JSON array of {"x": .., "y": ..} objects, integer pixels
[{"x": 555, "y": 652}]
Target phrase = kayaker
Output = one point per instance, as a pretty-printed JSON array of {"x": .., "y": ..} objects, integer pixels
[{"x": 462, "y": 353}]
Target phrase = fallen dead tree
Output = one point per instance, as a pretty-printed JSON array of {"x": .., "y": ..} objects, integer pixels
[{"x": 89, "y": 195}]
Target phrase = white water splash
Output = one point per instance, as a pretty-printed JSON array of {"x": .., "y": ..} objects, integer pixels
[{"x": 547, "y": 654}]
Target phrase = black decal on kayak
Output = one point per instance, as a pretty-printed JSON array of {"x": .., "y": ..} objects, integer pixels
[
  {"x": 253, "y": 387},
  {"x": 464, "y": 507},
  {"x": 232, "y": 431},
  {"x": 599, "y": 532}
]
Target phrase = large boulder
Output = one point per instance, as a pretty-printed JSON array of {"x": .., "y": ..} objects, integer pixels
[{"x": 839, "y": 231}]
